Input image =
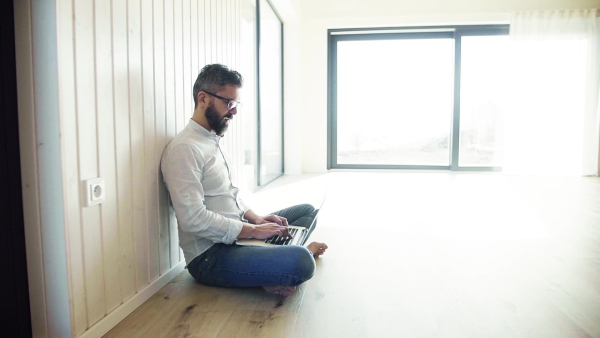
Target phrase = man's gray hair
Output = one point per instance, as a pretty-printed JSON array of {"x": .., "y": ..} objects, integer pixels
[{"x": 213, "y": 78}]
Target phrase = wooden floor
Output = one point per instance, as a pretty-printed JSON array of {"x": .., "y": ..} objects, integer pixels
[{"x": 415, "y": 255}]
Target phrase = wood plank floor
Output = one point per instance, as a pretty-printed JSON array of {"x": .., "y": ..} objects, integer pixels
[{"x": 415, "y": 255}]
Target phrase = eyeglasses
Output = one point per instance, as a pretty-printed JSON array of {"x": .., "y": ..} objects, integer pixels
[{"x": 231, "y": 103}]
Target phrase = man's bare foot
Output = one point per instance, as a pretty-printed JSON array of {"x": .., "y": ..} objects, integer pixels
[
  {"x": 316, "y": 248},
  {"x": 282, "y": 290}
]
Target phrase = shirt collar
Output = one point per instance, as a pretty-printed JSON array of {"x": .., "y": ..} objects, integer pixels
[{"x": 200, "y": 129}]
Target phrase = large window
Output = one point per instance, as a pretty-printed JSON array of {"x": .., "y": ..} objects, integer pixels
[
  {"x": 270, "y": 91},
  {"x": 262, "y": 42},
  {"x": 422, "y": 98}
]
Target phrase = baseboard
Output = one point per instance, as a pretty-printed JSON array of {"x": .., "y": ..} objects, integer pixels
[{"x": 115, "y": 317}]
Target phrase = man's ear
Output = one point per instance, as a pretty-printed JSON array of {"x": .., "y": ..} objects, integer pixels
[{"x": 202, "y": 98}]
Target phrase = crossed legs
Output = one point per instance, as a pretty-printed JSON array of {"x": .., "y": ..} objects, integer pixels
[{"x": 279, "y": 269}]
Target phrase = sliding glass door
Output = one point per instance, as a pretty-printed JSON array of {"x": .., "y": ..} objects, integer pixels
[
  {"x": 394, "y": 102},
  {"x": 417, "y": 99},
  {"x": 483, "y": 85}
]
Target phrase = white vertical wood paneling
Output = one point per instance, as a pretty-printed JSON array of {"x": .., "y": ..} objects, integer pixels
[
  {"x": 106, "y": 154},
  {"x": 67, "y": 103},
  {"x": 187, "y": 69},
  {"x": 169, "y": 18},
  {"x": 87, "y": 140},
  {"x": 220, "y": 17},
  {"x": 212, "y": 33},
  {"x": 161, "y": 134},
  {"x": 230, "y": 30},
  {"x": 207, "y": 31},
  {"x": 178, "y": 59},
  {"x": 239, "y": 147},
  {"x": 170, "y": 113},
  {"x": 194, "y": 48},
  {"x": 126, "y": 265},
  {"x": 136, "y": 134},
  {"x": 200, "y": 24},
  {"x": 126, "y": 72},
  {"x": 148, "y": 147}
]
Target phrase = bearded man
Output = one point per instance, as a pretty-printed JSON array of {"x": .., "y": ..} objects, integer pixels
[{"x": 211, "y": 216}]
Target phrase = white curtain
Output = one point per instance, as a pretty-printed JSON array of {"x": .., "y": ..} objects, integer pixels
[{"x": 553, "y": 119}]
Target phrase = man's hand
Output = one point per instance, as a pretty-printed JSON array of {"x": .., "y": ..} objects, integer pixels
[
  {"x": 256, "y": 219},
  {"x": 264, "y": 231},
  {"x": 273, "y": 219},
  {"x": 267, "y": 230}
]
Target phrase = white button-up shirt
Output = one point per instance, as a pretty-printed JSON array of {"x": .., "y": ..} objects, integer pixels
[{"x": 206, "y": 203}]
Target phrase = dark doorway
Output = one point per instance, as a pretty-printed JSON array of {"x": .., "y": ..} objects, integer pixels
[{"x": 15, "y": 319}]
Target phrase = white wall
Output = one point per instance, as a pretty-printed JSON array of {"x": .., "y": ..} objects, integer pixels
[
  {"x": 318, "y": 16},
  {"x": 103, "y": 86}
]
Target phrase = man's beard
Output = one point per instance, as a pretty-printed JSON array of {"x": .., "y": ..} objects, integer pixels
[{"x": 216, "y": 123}]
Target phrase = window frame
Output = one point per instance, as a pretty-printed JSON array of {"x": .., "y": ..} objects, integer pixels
[
  {"x": 361, "y": 34},
  {"x": 259, "y": 160}
]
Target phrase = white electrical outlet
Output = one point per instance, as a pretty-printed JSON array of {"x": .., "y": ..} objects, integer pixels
[{"x": 94, "y": 191}]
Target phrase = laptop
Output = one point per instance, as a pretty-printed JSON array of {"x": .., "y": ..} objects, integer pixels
[{"x": 299, "y": 235}]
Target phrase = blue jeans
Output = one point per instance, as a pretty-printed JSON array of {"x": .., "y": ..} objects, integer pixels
[{"x": 248, "y": 266}]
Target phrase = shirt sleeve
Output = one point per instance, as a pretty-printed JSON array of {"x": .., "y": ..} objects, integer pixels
[{"x": 182, "y": 173}]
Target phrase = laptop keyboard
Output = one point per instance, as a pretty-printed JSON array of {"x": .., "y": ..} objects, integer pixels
[{"x": 279, "y": 240}]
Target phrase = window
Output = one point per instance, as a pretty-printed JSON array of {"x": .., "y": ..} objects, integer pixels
[
  {"x": 262, "y": 41},
  {"x": 423, "y": 98},
  {"x": 270, "y": 93},
  {"x": 483, "y": 81}
]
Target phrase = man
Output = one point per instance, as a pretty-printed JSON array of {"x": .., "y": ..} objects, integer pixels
[{"x": 209, "y": 212}]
